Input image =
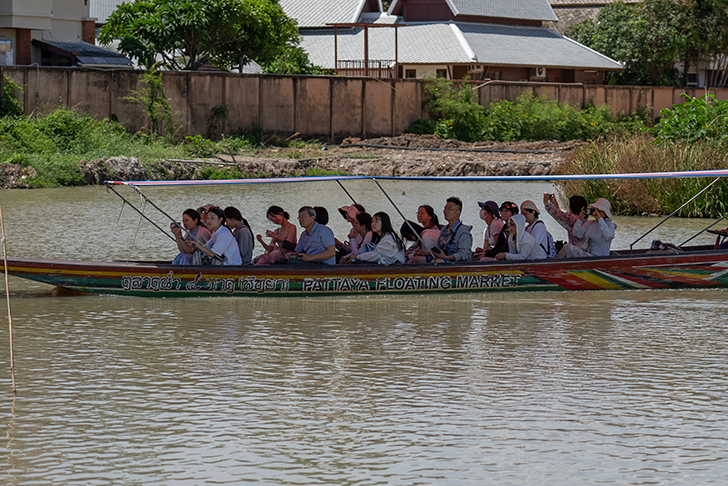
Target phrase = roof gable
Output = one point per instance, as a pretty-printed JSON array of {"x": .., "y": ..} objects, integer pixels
[
  {"x": 509, "y": 9},
  {"x": 318, "y": 13}
]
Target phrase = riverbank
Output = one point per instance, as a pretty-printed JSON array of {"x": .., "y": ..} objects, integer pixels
[{"x": 406, "y": 155}]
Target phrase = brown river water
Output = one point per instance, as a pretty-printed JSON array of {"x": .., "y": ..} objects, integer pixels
[{"x": 607, "y": 387}]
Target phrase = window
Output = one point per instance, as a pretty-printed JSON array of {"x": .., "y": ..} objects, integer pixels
[
  {"x": 441, "y": 73},
  {"x": 410, "y": 73}
]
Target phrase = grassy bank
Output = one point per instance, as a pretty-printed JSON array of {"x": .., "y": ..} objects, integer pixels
[
  {"x": 690, "y": 136},
  {"x": 642, "y": 154},
  {"x": 54, "y": 145}
]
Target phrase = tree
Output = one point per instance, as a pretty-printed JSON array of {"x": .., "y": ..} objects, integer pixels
[
  {"x": 645, "y": 37},
  {"x": 184, "y": 34}
]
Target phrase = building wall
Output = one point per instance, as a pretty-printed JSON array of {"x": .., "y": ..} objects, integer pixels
[{"x": 326, "y": 107}]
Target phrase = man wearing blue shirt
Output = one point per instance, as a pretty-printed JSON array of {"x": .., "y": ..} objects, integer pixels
[{"x": 316, "y": 244}]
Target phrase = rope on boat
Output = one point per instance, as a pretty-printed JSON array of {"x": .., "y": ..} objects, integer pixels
[
  {"x": 141, "y": 214},
  {"x": 674, "y": 213},
  {"x": 139, "y": 225},
  {"x": 116, "y": 225},
  {"x": 7, "y": 298}
]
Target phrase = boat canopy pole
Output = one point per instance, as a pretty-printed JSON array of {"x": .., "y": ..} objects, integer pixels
[
  {"x": 406, "y": 221},
  {"x": 702, "y": 231},
  {"x": 674, "y": 213},
  {"x": 141, "y": 213},
  {"x": 204, "y": 247},
  {"x": 347, "y": 192}
]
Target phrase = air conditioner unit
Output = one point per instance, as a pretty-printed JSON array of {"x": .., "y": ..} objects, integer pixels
[
  {"x": 538, "y": 72},
  {"x": 475, "y": 68}
]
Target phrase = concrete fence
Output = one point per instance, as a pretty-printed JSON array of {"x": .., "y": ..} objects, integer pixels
[{"x": 326, "y": 107}]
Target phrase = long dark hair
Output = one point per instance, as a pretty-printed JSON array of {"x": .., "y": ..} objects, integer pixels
[
  {"x": 194, "y": 215},
  {"x": 277, "y": 210},
  {"x": 431, "y": 212},
  {"x": 322, "y": 215},
  {"x": 386, "y": 230},
  {"x": 406, "y": 230},
  {"x": 234, "y": 213}
]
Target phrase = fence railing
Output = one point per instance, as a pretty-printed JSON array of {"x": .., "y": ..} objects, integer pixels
[{"x": 378, "y": 68}]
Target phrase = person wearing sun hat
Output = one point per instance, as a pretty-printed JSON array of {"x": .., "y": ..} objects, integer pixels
[
  {"x": 596, "y": 236},
  {"x": 493, "y": 225}
]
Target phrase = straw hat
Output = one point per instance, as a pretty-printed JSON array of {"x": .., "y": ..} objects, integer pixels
[
  {"x": 602, "y": 205},
  {"x": 529, "y": 205}
]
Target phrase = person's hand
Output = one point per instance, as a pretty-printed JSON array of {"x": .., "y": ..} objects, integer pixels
[
  {"x": 582, "y": 214},
  {"x": 175, "y": 229},
  {"x": 306, "y": 258},
  {"x": 259, "y": 238},
  {"x": 346, "y": 259},
  {"x": 598, "y": 214},
  {"x": 270, "y": 234},
  {"x": 546, "y": 197},
  {"x": 500, "y": 256}
]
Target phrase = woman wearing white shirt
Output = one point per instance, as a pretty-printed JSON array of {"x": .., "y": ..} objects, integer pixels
[
  {"x": 222, "y": 241},
  {"x": 521, "y": 245},
  {"x": 389, "y": 249}
]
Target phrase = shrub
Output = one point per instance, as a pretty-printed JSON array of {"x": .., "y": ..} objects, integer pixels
[
  {"x": 456, "y": 109},
  {"x": 697, "y": 119},
  {"x": 10, "y": 105}
]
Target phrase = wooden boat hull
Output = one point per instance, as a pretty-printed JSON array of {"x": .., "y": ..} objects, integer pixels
[{"x": 690, "y": 269}]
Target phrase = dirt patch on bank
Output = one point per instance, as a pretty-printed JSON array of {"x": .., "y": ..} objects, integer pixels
[{"x": 406, "y": 155}]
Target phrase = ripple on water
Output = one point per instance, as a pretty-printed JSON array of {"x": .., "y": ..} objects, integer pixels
[{"x": 611, "y": 387}]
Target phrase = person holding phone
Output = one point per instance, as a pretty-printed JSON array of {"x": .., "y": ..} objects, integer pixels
[{"x": 596, "y": 235}]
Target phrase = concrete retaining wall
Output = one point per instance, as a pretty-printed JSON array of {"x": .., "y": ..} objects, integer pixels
[{"x": 325, "y": 107}]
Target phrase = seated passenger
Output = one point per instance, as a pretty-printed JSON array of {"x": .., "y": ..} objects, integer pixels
[
  {"x": 410, "y": 232},
  {"x": 361, "y": 237},
  {"x": 566, "y": 220},
  {"x": 316, "y": 244},
  {"x": 195, "y": 231},
  {"x": 242, "y": 233},
  {"x": 222, "y": 242},
  {"x": 322, "y": 215},
  {"x": 521, "y": 245},
  {"x": 429, "y": 236},
  {"x": 537, "y": 228},
  {"x": 286, "y": 231},
  {"x": 507, "y": 210},
  {"x": 493, "y": 226},
  {"x": 389, "y": 248},
  {"x": 596, "y": 236},
  {"x": 455, "y": 241}
]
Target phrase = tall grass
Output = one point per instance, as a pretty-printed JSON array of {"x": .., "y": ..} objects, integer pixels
[{"x": 642, "y": 154}]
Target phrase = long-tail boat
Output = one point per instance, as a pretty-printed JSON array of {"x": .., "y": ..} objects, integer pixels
[{"x": 677, "y": 267}]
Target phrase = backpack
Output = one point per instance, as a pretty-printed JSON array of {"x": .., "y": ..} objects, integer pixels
[{"x": 551, "y": 251}]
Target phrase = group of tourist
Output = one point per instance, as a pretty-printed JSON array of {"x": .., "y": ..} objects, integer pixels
[{"x": 213, "y": 236}]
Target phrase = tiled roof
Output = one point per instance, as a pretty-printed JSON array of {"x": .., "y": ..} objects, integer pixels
[
  {"x": 530, "y": 46},
  {"x": 458, "y": 43},
  {"x": 510, "y": 9},
  {"x": 588, "y": 3},
  {"x": 318, "y": 13},
  {"x": 86, "y": 53}
]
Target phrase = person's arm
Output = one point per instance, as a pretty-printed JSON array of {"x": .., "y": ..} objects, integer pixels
[
  {"x": 579, "y": 228},
  {"x": 524, "y": 249},
  {"x": 329, "y": 252},
  {"x": 182, "y": 244},
  {"x": 464, "y": 243},
  {"x": 606, "y": 229}
]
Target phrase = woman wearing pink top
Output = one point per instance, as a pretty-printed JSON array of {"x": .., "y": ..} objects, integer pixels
[{"x": 286, "y": 231}]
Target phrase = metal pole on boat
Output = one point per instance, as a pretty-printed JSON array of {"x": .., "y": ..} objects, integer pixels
[
  {"x": 702, "y": 231},
  {"x": 347, "y": 192},
  {"x": 7, "y": 298},
  {"x": 405, "y": 219},
  {"x": 142, "y": 214},
  {"x": 674, "y": 213}
]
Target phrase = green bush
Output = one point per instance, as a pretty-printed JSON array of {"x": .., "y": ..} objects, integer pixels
[
  {"x": 456, "y": 109},
  {"x": 698, "y": 119},
  {"x": 539, "y": 118},
  {"x": 10, "y": 104}
]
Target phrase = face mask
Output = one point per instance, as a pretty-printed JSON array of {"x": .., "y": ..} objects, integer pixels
[{"x": 482, "y": 214}]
